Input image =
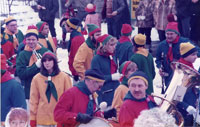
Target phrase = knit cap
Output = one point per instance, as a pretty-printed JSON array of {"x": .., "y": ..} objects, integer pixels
[
  {"x": 32, "y": 30},
  {"x": 104, "y": 38},
  {"x": 172, "y": 26},
  {"x": 140, "y": 75},
  {"x": 95, "y": 75},
  {"x": 74, "y": 23},
  {"x": 186, "y": 49},
  {"x": 49, "y": 53},
  {"x": 90, "y": 8},
  {"x": 9, "y": 19},
  {"x": 123, "y": 67},
  {"x": 92, "y": 28},
  {"x": 40, "y": 25},
  {"x": 140, "y": 39},
  {"x": 126, "y": 29}
]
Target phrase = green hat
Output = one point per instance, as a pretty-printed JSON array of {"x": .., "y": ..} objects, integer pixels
[
  {"x": 92, "y": 28},
  {"x": 40, "y": 25},
  {"x": 104, "y": 38}
]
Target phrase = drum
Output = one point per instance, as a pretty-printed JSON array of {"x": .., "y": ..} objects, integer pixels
[{"x": 97, "y": 122}]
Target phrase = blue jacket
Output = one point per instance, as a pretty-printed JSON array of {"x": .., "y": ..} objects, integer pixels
[
  {"x": 161, "y": 56},
  {"x": 190, "y": 99},
  {"x": 102, "y": 63},
  {"x": 12, "y": 95},
  {"x": 124, "y": 51}
]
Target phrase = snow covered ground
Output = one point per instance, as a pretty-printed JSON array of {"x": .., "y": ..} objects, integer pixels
[{"x": 25, "y": 16}]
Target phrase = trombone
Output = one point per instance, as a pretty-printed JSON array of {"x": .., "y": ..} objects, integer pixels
[{"x": 38, "y": 55}]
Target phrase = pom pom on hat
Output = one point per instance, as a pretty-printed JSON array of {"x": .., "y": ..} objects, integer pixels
[
  {"x": 186, "y": 49},
  {"x": 95, "y": 75},
  {"x": 40, "y": 25},
  {"x": 32, "y": 30},
  {"x": 126, "y": 29},
  {"x": 170, "y": 18},
  {"x": 3, "y": 62},
  {"x": 140, "y": 75},
  {"x": 140, "y": 39},
  {"x": 104, "y": 38},
  {"x": 92, "y": 28},
  {"x": 172, "y": 26},
  {"x": 90, "y": 8},
  {"x": 9, "y": 19}
]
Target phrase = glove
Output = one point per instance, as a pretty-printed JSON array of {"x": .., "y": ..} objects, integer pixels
[
  {"x": 38, "y": 63},
  {"x": 33, "y": 123},
  {"x": 110, "y": 113},
  {"x": 83, "y": 118},
  {"x": 116, "y": 76},
  {"x": 76, "y": 78},
  {"x": 191, "y": 110}
]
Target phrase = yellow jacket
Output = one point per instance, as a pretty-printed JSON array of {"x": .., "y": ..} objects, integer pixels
[
  {"x": 40, "y": 110},
  {"x": 82, "y": 60},
  {"x": 119, "y": 95}
]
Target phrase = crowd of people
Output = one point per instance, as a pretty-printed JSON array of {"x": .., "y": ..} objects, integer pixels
[{"x": 111, "y": 74}]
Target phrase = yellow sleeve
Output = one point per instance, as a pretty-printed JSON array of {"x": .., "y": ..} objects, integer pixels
[
  {"x": 80, "y": 61},
  {"x": 34, "y": 98}
]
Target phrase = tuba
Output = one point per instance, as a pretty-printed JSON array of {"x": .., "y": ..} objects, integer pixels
[{"x": 183, "y": 78}]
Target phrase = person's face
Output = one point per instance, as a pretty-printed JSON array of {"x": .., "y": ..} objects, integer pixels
[
  {"x": 170, "y": 36},
  {"x": 94, "y": 86},
  {"x": 138, "y": 88},
  {"x": 18, "y": 123},
  {"x": 110, "y": 46},
  {"x": 67, "y": 27},
  {"x": 48, "y": 64},
  {"x": 45, "y": 30},
  {"x": 12, "y": 26},
  {"x": 31, "y": 41},
  {"x": 97, "y": 34},
  {"x": 131, "y": 71},
  {"x": 191, "y": 58}
]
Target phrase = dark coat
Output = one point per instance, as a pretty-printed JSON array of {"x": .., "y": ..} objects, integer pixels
[{"x": 51, "y": 8}]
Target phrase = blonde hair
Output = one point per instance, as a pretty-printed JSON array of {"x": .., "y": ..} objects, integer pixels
[
  {"x": 16, "y": 113},
  {"x": 154, "y": 117}
]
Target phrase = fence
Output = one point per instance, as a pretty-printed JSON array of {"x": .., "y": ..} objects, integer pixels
[{"x": 6, "y": 5}]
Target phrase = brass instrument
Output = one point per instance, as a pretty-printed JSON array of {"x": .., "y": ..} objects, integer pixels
[
  {"x": 38, "y": 55},
  {"x": 183, "y": 78}
]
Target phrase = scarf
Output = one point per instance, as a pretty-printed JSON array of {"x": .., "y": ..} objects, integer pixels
[
  {"x": 47, "y": 42},
  {"x": 50, "y": 87},
  {"x": 124, "y": 39},
  {"x": 181, "y": 60},
  {"x": 15, "y": 40},
  {"x": 124, "y": 81},
  {"x": 113, "y": 65},
  {"x": 142, "y": 51},
  {"x": 170, "y": 51},
  {"x": 33, "y": 58},
  {"x": 5, "y": 76},
  {"x": 129, "y": 96},
  {"x": 90, "y": 44},
  {"x": 83, "y": 88}
]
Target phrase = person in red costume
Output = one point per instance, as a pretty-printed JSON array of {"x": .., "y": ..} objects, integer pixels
[
  {"x": 136, "y": 100},
  {"x": 77, "y": 105}
]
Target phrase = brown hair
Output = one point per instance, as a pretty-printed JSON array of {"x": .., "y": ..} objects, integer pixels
[
  {"x": 132, "y": 65},
  {"x": 102, "y": 47}
]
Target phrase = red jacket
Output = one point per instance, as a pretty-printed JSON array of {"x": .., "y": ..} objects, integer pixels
[
  {"x": 69, "y": 105},
  {"x": 75, "y": 44}
]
